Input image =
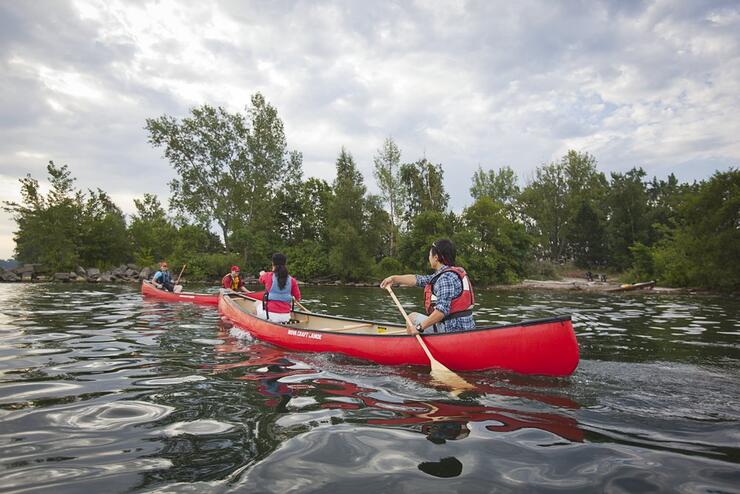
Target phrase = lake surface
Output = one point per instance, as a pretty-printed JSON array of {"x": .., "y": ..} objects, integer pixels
[{"x": 101, "y": 391}]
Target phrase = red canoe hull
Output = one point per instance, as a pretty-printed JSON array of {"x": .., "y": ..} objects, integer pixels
[
  {"x": 544, "y": 347},
  {"x": 149, "y": 290}
]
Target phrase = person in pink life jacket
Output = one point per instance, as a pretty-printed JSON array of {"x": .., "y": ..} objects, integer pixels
[
  {"x": 280, "y": 290},
  {"x": 448, "y": 293}
]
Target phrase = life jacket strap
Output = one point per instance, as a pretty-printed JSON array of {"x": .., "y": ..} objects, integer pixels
[{"x": 455, "y": 315}]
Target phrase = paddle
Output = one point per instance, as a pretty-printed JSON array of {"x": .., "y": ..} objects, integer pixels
[
  {"x": 178, "y": 288},
  {"x": 439, "y": 372},
  {"x": 301, "y": 306}
]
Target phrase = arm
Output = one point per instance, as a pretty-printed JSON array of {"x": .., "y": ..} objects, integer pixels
[
  {"x": 399, "y": 279},
  {"x": 294, "y": 290}
]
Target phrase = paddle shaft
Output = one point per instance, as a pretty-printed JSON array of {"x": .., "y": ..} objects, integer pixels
[
  {"x": 418, "y": 337},
  {"x": 181, "y": 271}
]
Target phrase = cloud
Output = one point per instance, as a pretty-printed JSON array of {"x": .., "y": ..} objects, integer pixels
[{"x": 636, "y": 83}]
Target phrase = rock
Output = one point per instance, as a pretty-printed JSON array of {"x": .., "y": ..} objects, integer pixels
[
  {"x": 80, "y": 271},
  {"x": 131, "y": 273},
  {"x": 106, "y": 277},
  {"x": 42, "y": 278},
  {"x": 61, "y": 276},
  {"x": 93, "y": 272},
  {"x": 133, "y": 266},
  {"x": 145, "y": 274},
  {"x": 26, "y": 276},
  {"x": 26, "y": 268},
  {"x": 8, "y": 276}
]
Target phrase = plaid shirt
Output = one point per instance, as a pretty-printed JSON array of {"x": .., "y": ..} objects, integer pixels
[{"x": 447, "y": 287}]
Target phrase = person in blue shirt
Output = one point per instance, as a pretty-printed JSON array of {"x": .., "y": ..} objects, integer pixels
[
  {"x": 448, "y": 293},
  {"x": 162, "y": 278}
]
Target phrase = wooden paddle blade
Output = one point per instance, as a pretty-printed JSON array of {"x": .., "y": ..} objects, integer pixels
[{"x": 446, "y": 377}]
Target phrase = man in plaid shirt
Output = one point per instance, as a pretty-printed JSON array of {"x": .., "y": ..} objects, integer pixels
[{"x": 448, "y": 293}]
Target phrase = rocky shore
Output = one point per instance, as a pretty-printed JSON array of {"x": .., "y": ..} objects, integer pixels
[
  {"x": 581, "y": 284},
  {"x": 34, "y": 273}
]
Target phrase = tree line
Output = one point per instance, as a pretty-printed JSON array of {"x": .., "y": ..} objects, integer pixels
[{"x": 235, "y": 174}]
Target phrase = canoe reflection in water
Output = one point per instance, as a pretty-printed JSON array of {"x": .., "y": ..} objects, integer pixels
[{"x": 279, "y": 380}]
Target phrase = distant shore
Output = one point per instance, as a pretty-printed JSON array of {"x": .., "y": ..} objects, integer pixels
[{"x": 131, "y": 273}]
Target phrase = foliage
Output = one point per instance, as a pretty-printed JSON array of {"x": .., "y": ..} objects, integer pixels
[
  {"x": 349, "y": 254},
  {"x": 387, "y": 267},
  {"x": 554, "y": 199},
  {"x": 628, "y": 220},
  {"x": 423, "y": 188},
  {"x": 426, "y": 227},
  {"x": 308, "y": 261},
  {"x": 205, "y": 266},
  {"x": 103, "y": 239},
  {"x": 702, "y": 251},
  {"x": 501, "y": 186},
  {"x": 151, "y": 232},
  {"x": 387, "y": 174},
  {"x": 228, "y": 165},
  {"x": 496, "y": 248},
  {"x": 48, "y": 227}
]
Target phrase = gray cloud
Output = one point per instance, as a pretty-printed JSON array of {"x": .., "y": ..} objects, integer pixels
[{"x": 653, "y": 84}]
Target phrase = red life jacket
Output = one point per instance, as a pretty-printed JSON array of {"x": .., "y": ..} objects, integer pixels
[{"x": 462, "y": 305}]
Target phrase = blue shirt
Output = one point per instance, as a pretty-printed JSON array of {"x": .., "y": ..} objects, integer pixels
[
  {"x": 447, "y": 287},
  {"x": 165, "y": 275}
]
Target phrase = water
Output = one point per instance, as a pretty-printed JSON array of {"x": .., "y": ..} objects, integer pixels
[{"x": 101, "y": 391}]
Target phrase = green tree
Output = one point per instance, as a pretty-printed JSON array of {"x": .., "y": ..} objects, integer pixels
[
  {"x": 349, "y": 254},
  {"x": 628, "y": 215},
  {"x": 48, "y": 226},
  {"x": 561, "y": 196},
  {"x": 387, "y": 174},
  {"x": 425, "y": 228},
  {"x": 103, "y": 237},
  {"x": 423, "y": 188},
  {"x": 545, "y": 205},
  {"x": 228, "y": 165},
  {"x": 588, "y": 241},
  {"x": 501, "y": 186},
  {"x": 152, "y": 234},
  {"x": 495, "y": 248},
  {"x": 702, "y": 251}
]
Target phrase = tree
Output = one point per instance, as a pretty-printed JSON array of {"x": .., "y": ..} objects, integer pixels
[
  {"x": 502, "y": 187},
  {"x": 48, "y": 226},
  {"x": 703, "y": 249},
  {"x": 423, "y": 188},
  {"x": 103, "y": 237},
  {"x": 628, "y": 215},
  {"x": 545, "y": 204},
  {"x": 495, "y": 248},
  {"x": 425, "y": 228},
  {"x": 227, "y": 164},
  {"x": 152, "y": 234},
  {"x": 348, "y": 253},
  {"x": 387, "y": 174},
  {"x": 553, "y": 201},
  {"x": 588, "y": 237}
]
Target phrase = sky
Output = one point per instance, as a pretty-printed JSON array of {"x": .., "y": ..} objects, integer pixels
[{"x": 465, "y": 84}]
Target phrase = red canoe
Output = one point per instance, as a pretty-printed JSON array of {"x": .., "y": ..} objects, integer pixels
[
  {"x": 149, "y": 290},
  {"x": 543, "y": 346}
]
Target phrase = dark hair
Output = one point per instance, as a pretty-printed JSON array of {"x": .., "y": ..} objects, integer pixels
[
  {"x": 445, "y": 250},
  {"x": 279, "y": 260}
]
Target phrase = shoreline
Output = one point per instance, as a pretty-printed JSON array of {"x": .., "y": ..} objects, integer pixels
[{"x": 565, "y": 284}]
